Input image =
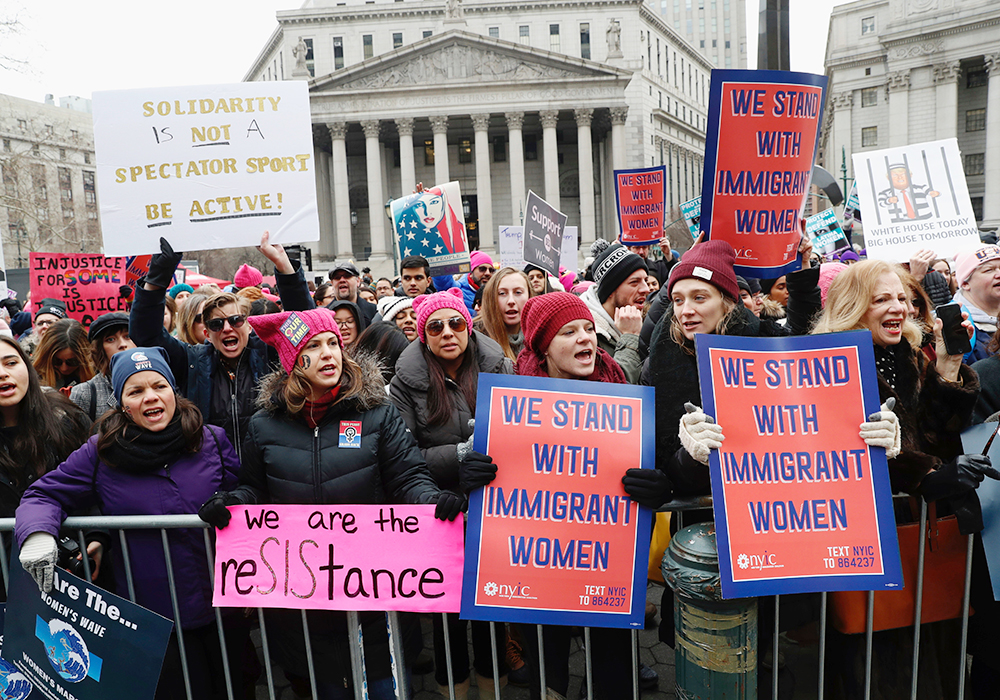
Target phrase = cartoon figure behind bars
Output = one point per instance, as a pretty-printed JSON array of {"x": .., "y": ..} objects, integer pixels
[{"x": 906, "y": 200}]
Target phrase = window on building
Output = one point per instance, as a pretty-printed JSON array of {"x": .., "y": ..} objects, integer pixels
[
  {"x": 6, "y": 146},
  {"x": 429, "y": 33},
  {"x": 499, "y": 149},
  {"x": 867, "y": 26},
  {"x": 36, "y": 150},
  {"x": 66, "y": 184},
  {"x": 727, "y": 44},
  {"x": 869, "y": 97},
  {"x": 86, "y": 157},
  {"x": 659, "y": 69},
  {"x": 48, "y": 130},
  {"x": 530, "y": 148},
  {"x": 689, "y": 25},
  {"x": 89, "y": 190},
  {"x": 868, "y": 71},
  {"x": 977, "y": 207},
  {"x": 524, "y": 33},
  {"x": 22, "y": 124},
  {"x": 9, "y": 183},
  {"x": 338, "y": 52},
  {"x": 465, "y": 151},
  {"x": 39, "y": 184},
  {"x": 554, "y": 37},
  {"x": 585, "y": 40},
  {"x": 975, "y": 163},
  {"x": 369, "y": 47},
  {"x": 428, "y": 152},
  {"x": 74, "y": 133},
  {"x": 495, "y": 32},
  {"x": 62, "y": 151},
  {"x": 869, "y": 136},
  {"x": 976, "y": 77},
  {"x": 310, "y": 61},
  {"x": 975, "y": 119},
  {"x": 397, "y": 40},
  {"x": 715, "y": 43},
  {"x": 702, "y": 43}
]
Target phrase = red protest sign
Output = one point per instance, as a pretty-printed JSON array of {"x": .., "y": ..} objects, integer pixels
[
  {"x": 138, "y": 266},
  {"x": 763, "y": 128},
  {"x": 87, "y": 284},
  {"x": 640, "y": 195}
]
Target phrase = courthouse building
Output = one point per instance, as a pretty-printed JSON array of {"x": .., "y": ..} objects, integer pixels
[
  {"x": 546, "y": 95},
  {"x": 907, "y": 71}
]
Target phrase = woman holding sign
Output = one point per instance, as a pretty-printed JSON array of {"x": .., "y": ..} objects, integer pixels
[{"x": 298, "y": 450}]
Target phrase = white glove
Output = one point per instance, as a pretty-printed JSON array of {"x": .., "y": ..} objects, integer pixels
[
  {"x": 38, "y": 557},
  {"x": 699, "y": 433},
  {"x": 882, "y": 429}
]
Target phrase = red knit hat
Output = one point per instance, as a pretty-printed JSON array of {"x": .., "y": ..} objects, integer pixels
[
  {"x": 289, "y": 331},
  {"x": 426, "y": 304},
  {"x": 711, "y": 261},
  {"x": 544, "y": 315}
]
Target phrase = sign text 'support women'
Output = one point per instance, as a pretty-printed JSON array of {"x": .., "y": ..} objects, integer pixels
[
  {"x": 760, "y": 146},
  {"x": 208, "y": 166},
  {"x": 554, "y": 538},
  {"x": 802, "y": 504},
  {"x": 339, "y": 557}
]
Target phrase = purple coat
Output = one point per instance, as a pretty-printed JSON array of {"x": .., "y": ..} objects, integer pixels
[{"x": 83, "y": 480}]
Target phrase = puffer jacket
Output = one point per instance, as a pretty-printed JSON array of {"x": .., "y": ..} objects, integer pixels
[
  {"x": 84, "y": 481},
  {"x": 408, "y": 389}
]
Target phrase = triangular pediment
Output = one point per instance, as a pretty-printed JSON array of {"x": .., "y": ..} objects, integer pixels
[{"x": 460, "y": 58}]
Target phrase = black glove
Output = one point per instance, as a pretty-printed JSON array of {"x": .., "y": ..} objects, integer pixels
[
  {"x": 475, "y": 471},
  {"x": 163, "y": 265},
  {"x": 648, "y": 487},
  {"x": 125, "y": 291},
  {"x": 12, "y": 306},
  {"x": 213, "y": 511},
  {"x": 449, "y": 505},
  {"x": 962, "y": 474}
]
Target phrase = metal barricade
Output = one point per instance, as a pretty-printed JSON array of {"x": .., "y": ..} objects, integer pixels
[{"x": 402, "y": 689}]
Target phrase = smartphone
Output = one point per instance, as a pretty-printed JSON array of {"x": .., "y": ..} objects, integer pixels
[{"x": 956, "y": 337}]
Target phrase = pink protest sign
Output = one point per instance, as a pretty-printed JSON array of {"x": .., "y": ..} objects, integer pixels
[{"x": 339, "y": 557}]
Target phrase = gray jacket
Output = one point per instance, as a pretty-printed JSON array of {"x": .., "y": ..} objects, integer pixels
[{"x": 95, "y": 396}]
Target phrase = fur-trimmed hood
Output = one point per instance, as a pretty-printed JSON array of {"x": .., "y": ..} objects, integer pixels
[{"x": 270, "y": 397}]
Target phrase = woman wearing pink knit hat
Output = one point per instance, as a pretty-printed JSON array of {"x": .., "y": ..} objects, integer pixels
[
  {"x": 435, "y": 390},
  {"x": 326, "y": 434}
]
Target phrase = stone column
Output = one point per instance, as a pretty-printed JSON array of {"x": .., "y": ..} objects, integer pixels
[
  {"x": 324, "y": 203},
  {"x": 618, "y": 115},
  {"x": 946, "y": 98},
  {"x": 341, "y": 191},
  {"x": 439, "y": 125},
  {"x": 376, "y": 203},
  {"x": 991, "y": 202},
  {"x": 484, "y": 184},
  {"x": 550, "y": 118},
  {"x": 515, "y": 121},
  {"x": 898, "y": 84},
  {"x": 843, "y": 102},
  {"x": 588, "y": 224},
  {"x": 407, "y": 169}
]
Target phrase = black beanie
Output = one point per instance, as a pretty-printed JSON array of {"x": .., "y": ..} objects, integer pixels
[{"x": 612, "y": 267}]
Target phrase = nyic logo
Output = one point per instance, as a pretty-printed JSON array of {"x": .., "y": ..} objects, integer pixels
[
  {"x": 758, "y": 562},
  {"x": 503, "y": 590}
]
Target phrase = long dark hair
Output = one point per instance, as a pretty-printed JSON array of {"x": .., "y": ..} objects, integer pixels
[
  {"x": 113, "y": 424},
  {"x": 49, "y": 428},
  {"x": 386, "y": 342},
  {"x": 439, "y": 404}
]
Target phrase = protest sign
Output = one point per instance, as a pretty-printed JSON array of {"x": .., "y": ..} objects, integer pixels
[
  {"x": 543, "y": 234},
  {"x": 640, "y": 195},
  {"x": 554, "y": 538},
  {"x": 760, "y": 144},
  {"x": 510, "y": 247},
  {"x": 343, "y": 557},
  {"x": 14, "y": 685},
  {"x": 851, "y": 213},
  {"x": 915, "y": 197},
  {"x": 207, "y": 166},
  {"x": 79, "y": 641},
  {"x": 136, "y": 266},
  {"x": 802, "y": 504},
  {"x": 431, "y": 223},
  {"x": 974, "y": 442},
  {"x": 87, "y": 284},
  {"x": 826, "y": 235},
  {"x": 691, "y": 211}
]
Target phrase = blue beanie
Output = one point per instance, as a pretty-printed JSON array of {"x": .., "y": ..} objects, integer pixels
[
  {"x": 125, "y": 364},
  {"x": 178, "y": 288}
]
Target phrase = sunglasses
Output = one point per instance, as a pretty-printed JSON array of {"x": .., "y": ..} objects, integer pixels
[
  {"x": 436, "y": 327},
  {"x": 71, "y": 362},
  {"x": 197, "y": 319},
  {"x": 217, "y": 324}
]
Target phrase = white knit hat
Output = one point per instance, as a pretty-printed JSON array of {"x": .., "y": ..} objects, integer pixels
[{"x": 390, "y": 306}]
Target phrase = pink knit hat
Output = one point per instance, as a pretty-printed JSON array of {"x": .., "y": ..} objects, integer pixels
[
  {"x": 967, "y": 262},
  {"x": 426, "y": 304},
  {"x": 480, "y": 258},
  {"x": 567, "y": 278},
  {"x": 289, "y": 331},
  {"x": 247, "y": 276},
  {"x": 827, "y": 273}
]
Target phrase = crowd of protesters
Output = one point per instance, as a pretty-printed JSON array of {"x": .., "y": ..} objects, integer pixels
[{"x": 199, "y": 399}]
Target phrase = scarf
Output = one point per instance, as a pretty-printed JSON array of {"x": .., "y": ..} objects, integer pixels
[
  {"x": 606, "y": 370},
  {"x": 139, "y": 451},
  {"x": 885, "y": 363},
  {"x": 313, "y": 412},
  {"x": 603, "y": 323},
  {"x": 516, "y": 342}
]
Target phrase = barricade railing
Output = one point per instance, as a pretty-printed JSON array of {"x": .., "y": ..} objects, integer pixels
[{"x": 165, "y": 523}]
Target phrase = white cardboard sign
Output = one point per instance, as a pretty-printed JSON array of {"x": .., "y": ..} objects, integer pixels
[
  {"x": 510, "y": 246},
  {"x": 207, "y": 166}
]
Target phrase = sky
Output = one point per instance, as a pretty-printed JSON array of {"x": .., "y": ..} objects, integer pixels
[{"x": 76, "y": 48}]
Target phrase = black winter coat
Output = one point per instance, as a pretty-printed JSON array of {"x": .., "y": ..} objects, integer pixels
[{"x": 408, "y": 389}]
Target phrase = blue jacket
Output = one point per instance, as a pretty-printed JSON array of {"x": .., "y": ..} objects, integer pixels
[{"x": 465, "y": 284}]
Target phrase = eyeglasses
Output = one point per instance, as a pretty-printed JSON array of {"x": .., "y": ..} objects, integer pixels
[
  {"x": 483, "y": 268},
  {"x": 348, "y": 323},
  {"x": 217, "y": 324},
  {"x": 436, "y": 327},
  {"x": 71, "y": 362}
]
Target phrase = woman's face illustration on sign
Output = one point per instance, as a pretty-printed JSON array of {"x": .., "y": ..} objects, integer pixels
[{"x": 431, "y": 208}]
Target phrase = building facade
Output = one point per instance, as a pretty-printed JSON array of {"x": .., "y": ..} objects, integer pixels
[
  {"x": 717, "y": 28},
  {"x": 549, "y": 95},
  {"x": 49, "y": 196},
  {"x": 907, "y": 71}
]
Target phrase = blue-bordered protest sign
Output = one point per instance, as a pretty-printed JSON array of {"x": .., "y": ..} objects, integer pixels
[
  {"x": 760, "y": 144},
  {"x": 691, "y": 211},
  {"x": 554, "y": 539},
  {"x": 79, "y": 641},
  {"x": 802, "y": 504},
  {"x": 640, "y": 195},
  {"x": 826, "y": 234}
]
